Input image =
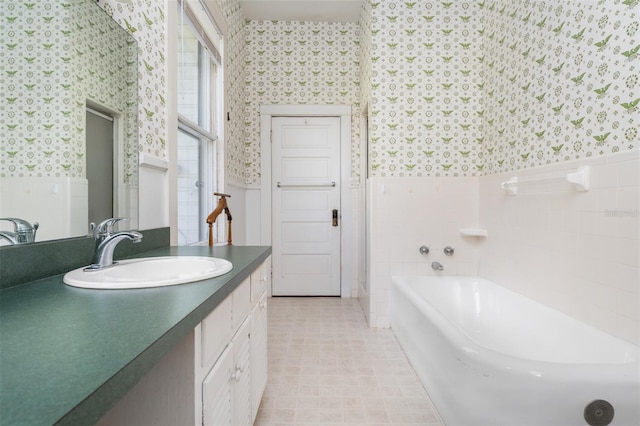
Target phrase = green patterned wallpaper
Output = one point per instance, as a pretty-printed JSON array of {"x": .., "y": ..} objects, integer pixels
[
  {"x": 425, "y": 91},
  {"x": 365, "y": 54},
  {"x": 146, "y": 21},
  {"x": 299, "y": 63},
  {"x": 235, "y": 56},
  {"x": 470, "y": 88},
  {"x": 560, "y": 80},
  {"x": 33, "y": 50},
  {"x": 453, "y": 88},
  {"x": 55, "y": 56}
]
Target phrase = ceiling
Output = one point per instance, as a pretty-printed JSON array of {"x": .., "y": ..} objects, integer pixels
[{"x": 302, "y": 10}]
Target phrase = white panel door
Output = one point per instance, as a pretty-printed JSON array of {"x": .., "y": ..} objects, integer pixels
[{"x": 306, "y": 191}]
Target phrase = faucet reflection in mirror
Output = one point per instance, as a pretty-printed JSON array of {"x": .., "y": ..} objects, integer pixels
[
  {"x": 23, "y": 231},
  {"x": 58, "y": 57}
]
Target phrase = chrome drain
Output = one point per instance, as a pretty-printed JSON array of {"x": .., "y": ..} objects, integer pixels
[{"x": 598, "y": 413}]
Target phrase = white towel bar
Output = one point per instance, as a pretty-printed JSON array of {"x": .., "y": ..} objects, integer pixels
[{"x": 579, "y": 178}]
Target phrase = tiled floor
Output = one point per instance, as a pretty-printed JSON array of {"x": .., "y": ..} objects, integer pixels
[{"x": 327, "y": 367}]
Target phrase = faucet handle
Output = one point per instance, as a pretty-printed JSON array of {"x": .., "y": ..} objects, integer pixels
[{"x": 106, "y": 226}]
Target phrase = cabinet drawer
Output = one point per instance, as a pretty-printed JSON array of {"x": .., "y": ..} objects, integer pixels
[
  {"x": 215, "y": 332},
  {"x": 241, "y": 303},
  {"x": 258, "y": 282}
]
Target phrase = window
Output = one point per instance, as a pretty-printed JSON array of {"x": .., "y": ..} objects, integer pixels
[{"x": 199, "y": 129}]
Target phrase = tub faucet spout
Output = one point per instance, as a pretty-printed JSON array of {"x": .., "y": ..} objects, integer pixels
[{"x": 437, "y": 266}]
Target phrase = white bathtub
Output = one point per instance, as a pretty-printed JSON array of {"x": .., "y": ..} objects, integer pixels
[{"x": 488, "y": 356}]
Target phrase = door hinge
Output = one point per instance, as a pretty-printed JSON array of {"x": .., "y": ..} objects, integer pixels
[{"x": 270, "y": 136}]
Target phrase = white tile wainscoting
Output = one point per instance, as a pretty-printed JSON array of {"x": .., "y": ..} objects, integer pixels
[
  {"x": 406, "y": 213},
  {"x": 578, "y": 252},
  {"x": 59, "y": 205}
]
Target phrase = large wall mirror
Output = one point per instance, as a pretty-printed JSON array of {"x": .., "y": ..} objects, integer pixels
[{"x": 69, "y": 102}]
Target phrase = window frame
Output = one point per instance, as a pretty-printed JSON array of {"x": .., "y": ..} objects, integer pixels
[{"x": 209, "y": 131}]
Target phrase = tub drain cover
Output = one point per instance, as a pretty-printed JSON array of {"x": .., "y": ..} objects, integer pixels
[{"x": 598, "y": 413}]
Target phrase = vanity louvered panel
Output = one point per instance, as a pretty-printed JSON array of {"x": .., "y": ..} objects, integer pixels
[
  {"x": 242, "y": 385},
  {"x": 217, "y": 392}
]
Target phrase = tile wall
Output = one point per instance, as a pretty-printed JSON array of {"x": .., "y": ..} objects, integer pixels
[
  {"x": 551, "y": 84},
  {"x": 58, "y": 205},
  {"x": 406, "y": 213},
  {"x": 578, "y": 252}
]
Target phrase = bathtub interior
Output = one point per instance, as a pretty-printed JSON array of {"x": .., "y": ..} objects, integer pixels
[{"x": 486, "y": 312}]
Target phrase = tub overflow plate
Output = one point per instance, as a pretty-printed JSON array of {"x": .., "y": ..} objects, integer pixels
[{"x": 598, "y": 413}]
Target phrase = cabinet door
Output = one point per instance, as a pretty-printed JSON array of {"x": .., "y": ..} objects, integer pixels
[
  {"x": 242, "y": 376},
  {"x": 217, "y": 392},
  {"x": 259, "y": 361}
]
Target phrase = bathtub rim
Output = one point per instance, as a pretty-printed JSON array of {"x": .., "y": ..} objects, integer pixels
[{"x": 490, "y": 357}]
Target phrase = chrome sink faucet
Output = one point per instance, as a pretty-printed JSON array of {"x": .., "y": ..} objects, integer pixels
[
  {"x": 437, "y": 266},
  {"x": 106, "y": 242},
  {"x": 23, "y": 231}
]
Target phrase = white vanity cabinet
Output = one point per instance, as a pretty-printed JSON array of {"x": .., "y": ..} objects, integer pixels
[
  {"x": 221, "y": 369},
  {"x": 216, "y": 375},
  {"x": 232, "y": 385},
  {"x": 260, "y": 281}
]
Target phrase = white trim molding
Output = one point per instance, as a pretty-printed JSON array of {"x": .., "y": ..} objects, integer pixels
[
  {"x": 267, "y": 112},
  {"x": 153, "y": 162}
]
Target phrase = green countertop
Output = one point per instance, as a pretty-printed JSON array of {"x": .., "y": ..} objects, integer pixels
[{"x": 68, "y": 354}]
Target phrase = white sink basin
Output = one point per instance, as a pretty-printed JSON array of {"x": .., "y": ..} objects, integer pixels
[{"x": 150, "y": 272}]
